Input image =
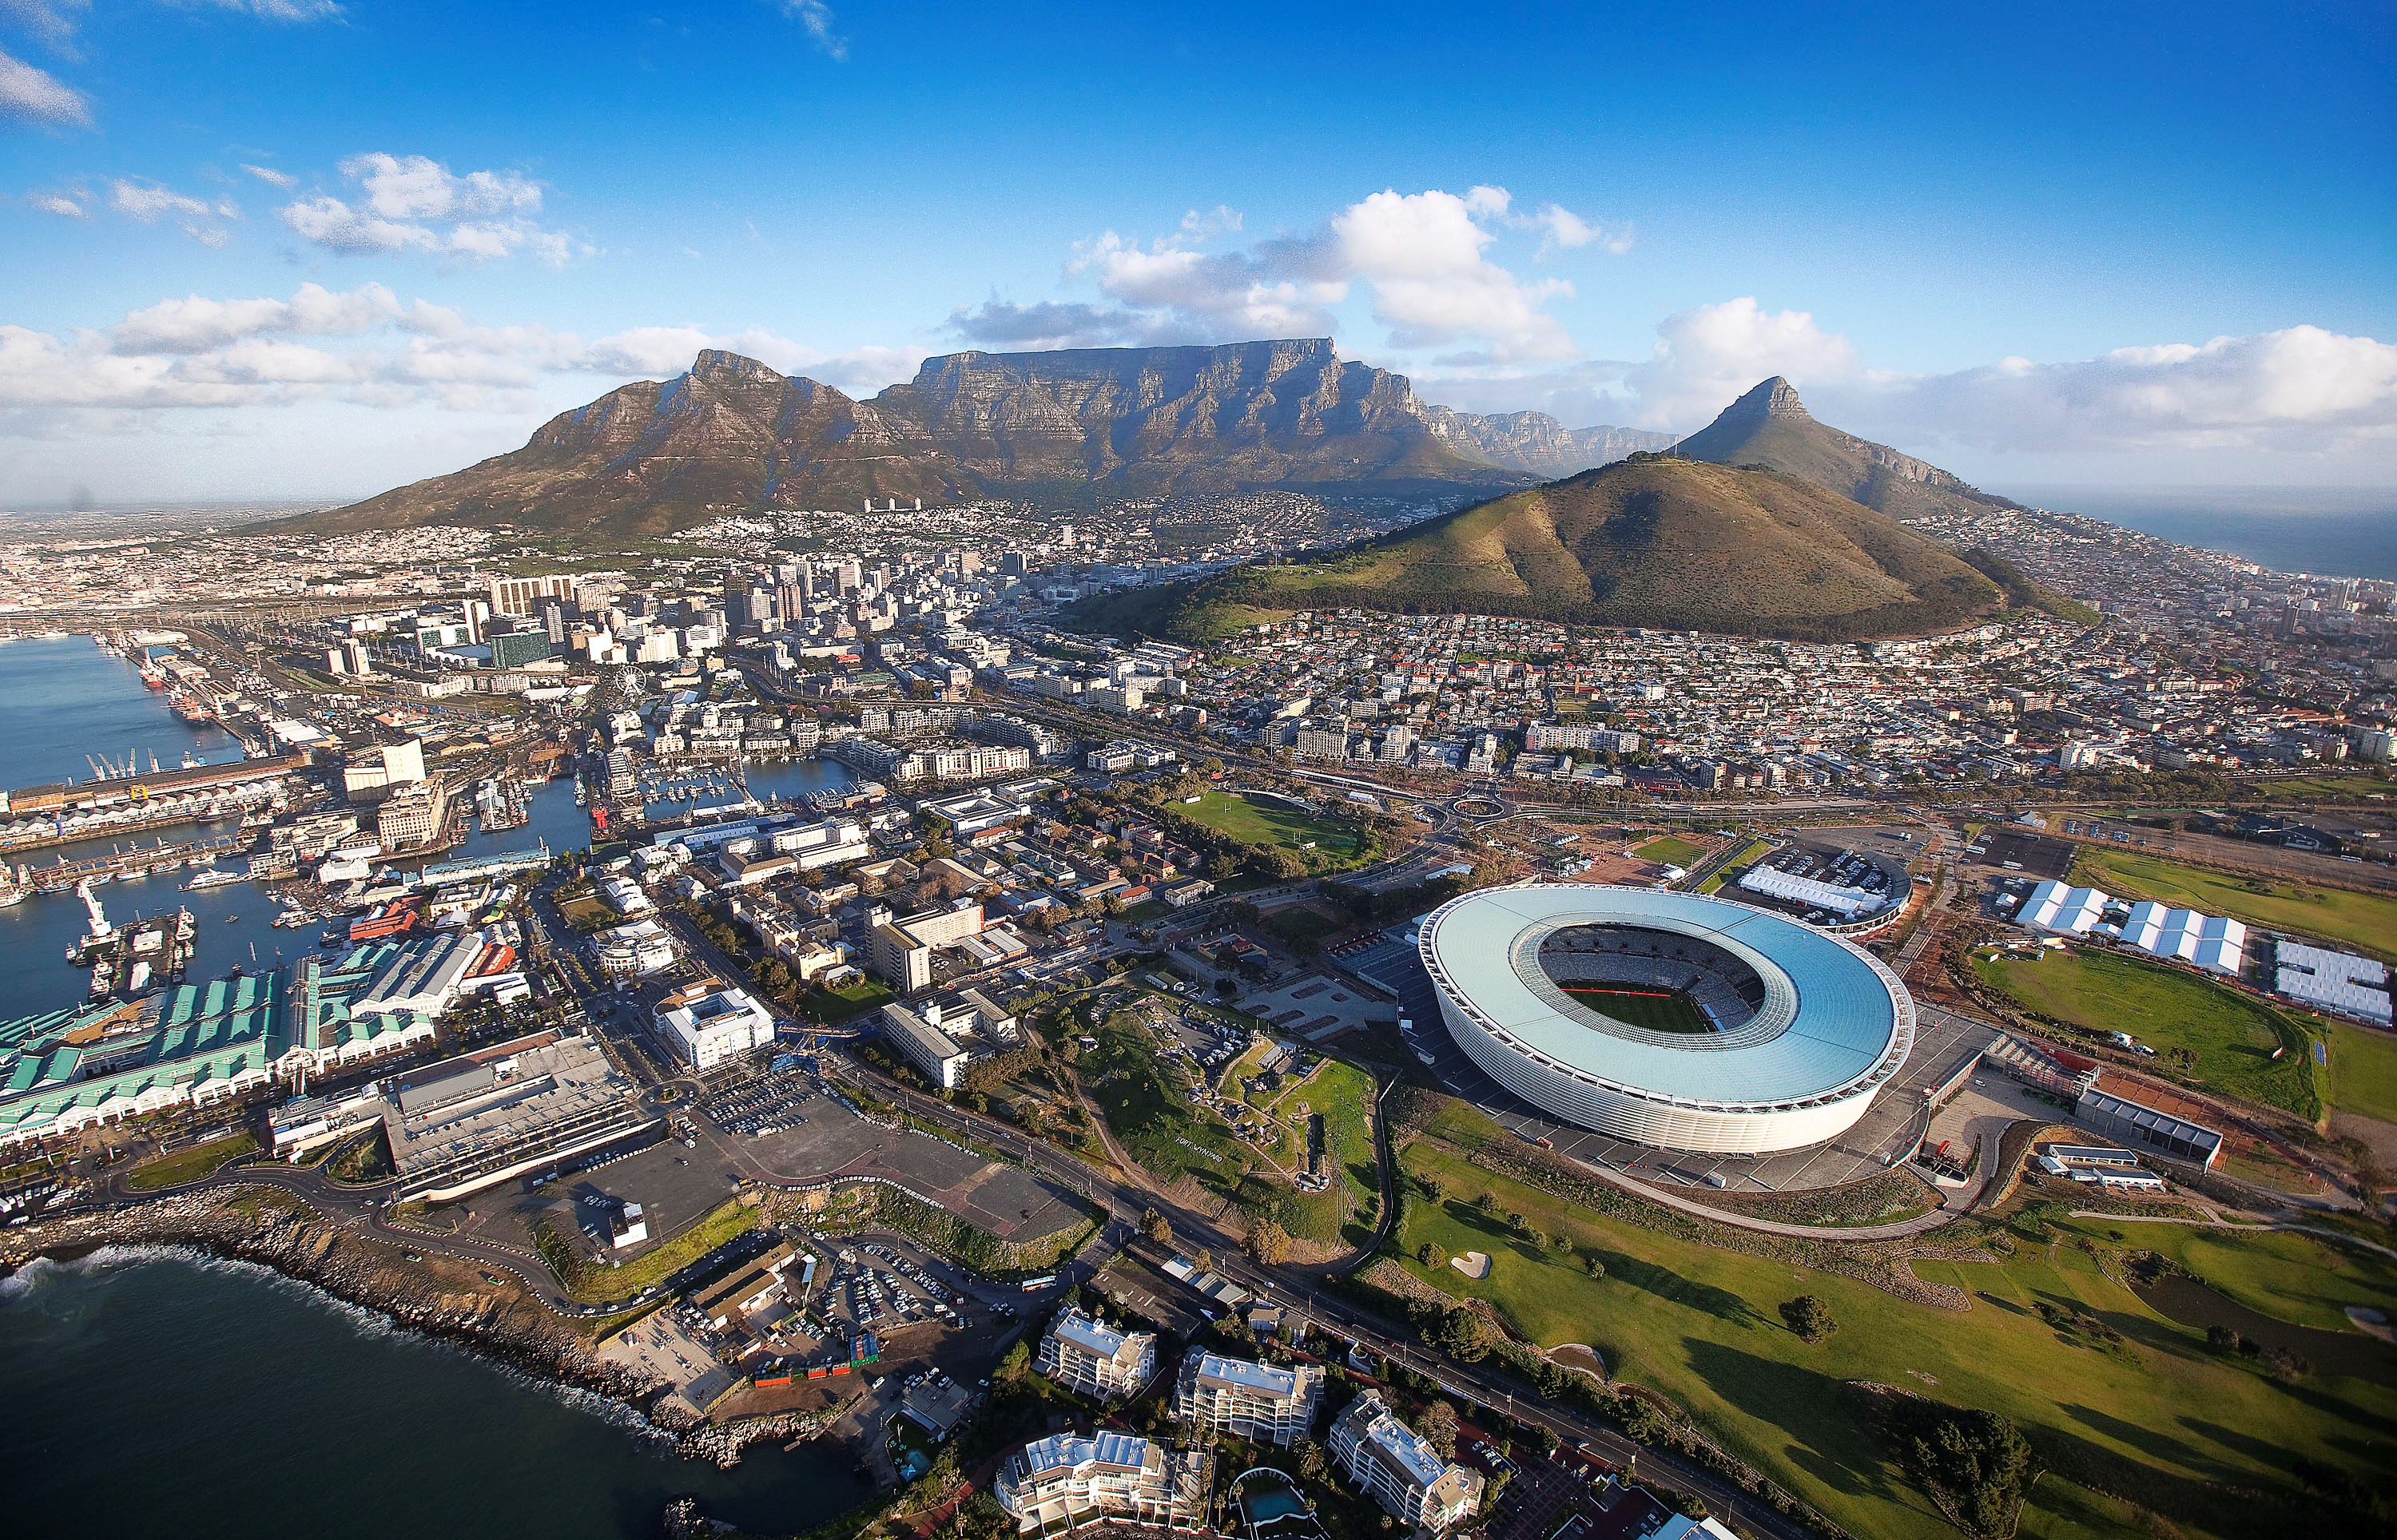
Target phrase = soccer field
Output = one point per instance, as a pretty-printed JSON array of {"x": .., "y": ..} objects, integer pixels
[{"x": 1656, "y": 1010}]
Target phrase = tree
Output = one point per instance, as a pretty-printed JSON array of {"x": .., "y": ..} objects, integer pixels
[
  {"x": 1431, "y": 1255},
  {"x": 1438, "y": 1427},
  {"x": 1157, "y": 1227},
  {"x": 1269, "y": 1243},
  {"x": 1591, "y": 1265},
  {"x": 1205, "y": 1260},
  {"x": 1431, "y": 1187},
  {"x": 1809, "y": 1317},
  {"x": 1487, "y": 1202},
  {"x": 1019, "y": 1358},
  {"x": 1465, "y": 1335},
  {"x": 1312, "y": 1462}
]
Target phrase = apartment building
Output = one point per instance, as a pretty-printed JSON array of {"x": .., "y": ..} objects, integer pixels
[
  {"x": 1264, "y": 1401},
  {"x": 1386, "y": 1459},
  {"x": 1066, "y": 1479},
  {"x": 1085, "y": 1354}
]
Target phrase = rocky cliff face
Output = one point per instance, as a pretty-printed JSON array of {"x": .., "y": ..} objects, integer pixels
[
  {"x": 1537, "y": 443},
  {"x": 1769, "y": 426},
  {"x": 734, "y": 436}
]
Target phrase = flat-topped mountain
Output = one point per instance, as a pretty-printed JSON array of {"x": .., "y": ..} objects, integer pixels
[
  {"x": 1653, "y": 541},
  {"x": 1771, "y": 427},
  {"x": 733, "y": 435}
]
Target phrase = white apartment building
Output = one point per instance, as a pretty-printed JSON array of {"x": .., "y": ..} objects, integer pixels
[
  {"x": 1084, "y": 1354},
  {"x": 1384, "y": 1458},
  {"x": 708, "y": 1023},
  {"x": 1065, "y": 1480},
  {"x": 1264, "y": 1401},
  {"x": 634, "y": 950},
  {"x": 924, "y": 1045}
]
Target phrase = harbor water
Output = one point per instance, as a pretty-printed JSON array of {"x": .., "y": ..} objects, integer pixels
[{"x": 155, "y": 1392}]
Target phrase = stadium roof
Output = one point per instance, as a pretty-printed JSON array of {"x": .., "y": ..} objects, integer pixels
[{"x": 1831, "y": 1016}]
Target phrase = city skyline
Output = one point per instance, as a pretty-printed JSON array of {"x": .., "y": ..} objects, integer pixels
[{"x": 286, "y": 248}]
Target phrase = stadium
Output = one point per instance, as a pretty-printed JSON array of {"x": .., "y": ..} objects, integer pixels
[{"x": 1689, "y": 1022}]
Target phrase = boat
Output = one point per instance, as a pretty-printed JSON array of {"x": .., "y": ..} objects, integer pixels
[
  {"x": 231, "y": 918},
  {"x": 214, "y": 876}
]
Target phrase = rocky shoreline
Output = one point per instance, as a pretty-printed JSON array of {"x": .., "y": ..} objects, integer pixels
[{"x": 436, "y": 1297}]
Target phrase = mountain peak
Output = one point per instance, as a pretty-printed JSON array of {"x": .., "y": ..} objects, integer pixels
[
  {"x": 1774, "y": 398},
  {"x": 714, "y": 365}
]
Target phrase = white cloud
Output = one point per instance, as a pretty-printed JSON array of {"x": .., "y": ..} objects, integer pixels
[
  {"x": 51, "y": 21},
  {"x": 2302, "y": 389},
  {"x": 1707, "y": 355},
  {"x": 1561, "y": 229},
  {"x": 415, "y": 203},
  {"x": 816, "y": 17},
  {"x": 270, "y": 10},
  {"x": 28, "y": 95},
  {"x": 1424, "y": 257},
  {"x": 150, "y": 202},
  {"x": 270, "y": 176},
  {"x": 363, "y": 346},
  {"x": 53, "y": 203}
]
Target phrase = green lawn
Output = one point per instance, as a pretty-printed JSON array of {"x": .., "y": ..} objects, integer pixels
[
  {"x": 1143, "y": 1096},
  {"x": 188, "y": 1166},
  {"x": 1299, "y": 925},
  {"x": 2356, "y": 919},
  {"x": 832, "y": 1006},
  {"x": 2362, "y": 1071},
  {"x": 1339, "y": 843},
  {"x": 1670, "y": 849},
  {"x": 1754, "y": 851},
  {"x": 2233, "y": 1037},
  {"x": 1344, "y": 1094},
  {"x": 2159, "y": 1421}
]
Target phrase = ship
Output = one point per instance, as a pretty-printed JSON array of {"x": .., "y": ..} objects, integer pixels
[{"x": 214, "y": 876}]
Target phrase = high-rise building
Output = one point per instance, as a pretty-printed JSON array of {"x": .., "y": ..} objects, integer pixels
[
  {"x": 1390, "y": 1463},
  {"x": 523, "y": 595},
  {"x": 1264, "y": 1401},
  {"x": 1085, "y": 1354}
]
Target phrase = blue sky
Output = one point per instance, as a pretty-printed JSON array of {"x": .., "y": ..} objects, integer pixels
[{"x": 2155, "y": 245}]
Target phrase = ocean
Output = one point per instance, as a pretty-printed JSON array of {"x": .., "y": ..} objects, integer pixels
[
  {"x": 152, "y": 1391},
  {"x": 2329, "y": 531}
]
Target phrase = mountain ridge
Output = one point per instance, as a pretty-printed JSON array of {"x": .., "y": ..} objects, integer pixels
[
  {"x": 1771, "y": 427},
  {"x": 731, "y": 434}
]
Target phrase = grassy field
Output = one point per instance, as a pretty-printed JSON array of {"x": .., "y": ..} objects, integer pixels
[
  {"x": 188, "y": 1166},
  {"x": 1344, "y": 1094},
  {"x": 1670, "y": 849},
  {"x": 2363, "y": 1071},
  {"x": 1144, "y": 1099},
  {"x": 2158, "y": 1418},
  {"x": 1339, "y": 843},
  {"x": 1300, "y": 926},
  {"x": 2233, "y": 1037},
  {"x": 1754, "y": 851},
  {"x": 1673, "y": 1011},
  {"x": 2357, "y": 919},
  {"x": 857, "y": 995}
]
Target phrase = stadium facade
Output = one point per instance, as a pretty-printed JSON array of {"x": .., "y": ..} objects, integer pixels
[{"x": 1667, "y": 1019}]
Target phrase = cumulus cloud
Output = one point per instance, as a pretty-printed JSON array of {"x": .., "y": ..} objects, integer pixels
[
  {"x": 2303, "y": 389},
  {"x": 32, "y": 95},
  {"x": 415, "y": 203},
  {"x": 816, "y": 18},
  {"x": 363, "y": 346},
  {"x": 1422, "y": 258}
]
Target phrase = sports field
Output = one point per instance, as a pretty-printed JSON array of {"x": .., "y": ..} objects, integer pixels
[
  {"x": 2153, "y": 1416},
  {"x": 1657, "y": 1010},
  {"x": 2362, "y": 1071},
  {"x": 2361, "y": 920},
  {"x": 2234, "y": 1037},
  {"x": 1339, "y": 843},
  {"x": 1672, "y": 850}
]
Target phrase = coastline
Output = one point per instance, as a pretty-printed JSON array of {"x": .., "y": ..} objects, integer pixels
[{"x": 279, "y": 1231}]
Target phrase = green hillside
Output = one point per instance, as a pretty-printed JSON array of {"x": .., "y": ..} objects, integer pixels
[{"x": 1649, "y": 541}]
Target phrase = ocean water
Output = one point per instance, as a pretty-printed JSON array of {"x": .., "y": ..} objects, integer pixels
[
  {"x": 2328, "y": 531},
  {"x": 156, "y": 1392}
]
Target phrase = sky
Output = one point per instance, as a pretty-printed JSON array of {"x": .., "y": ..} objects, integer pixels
[{"x": 256, "y": 249}]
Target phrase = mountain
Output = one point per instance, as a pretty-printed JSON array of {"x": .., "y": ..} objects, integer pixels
[
  {"x": 733, "y": 435},
  {"x": 1771, "y": 427},
  {"x": 1537, "y": 443},
  {"x": 1653, "y": 540}
]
